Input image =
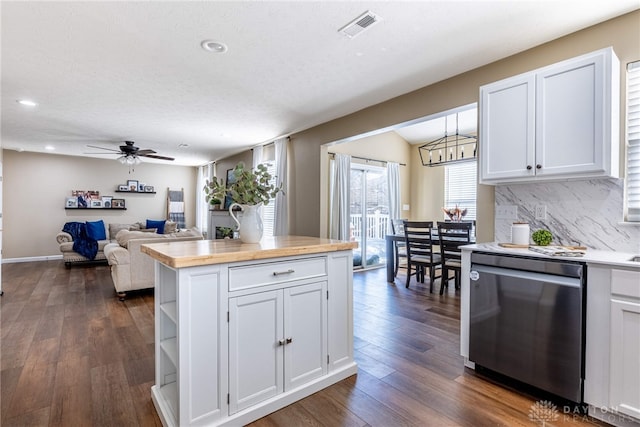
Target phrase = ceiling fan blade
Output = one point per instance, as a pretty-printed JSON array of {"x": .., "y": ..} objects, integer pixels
[
  {"x": 103, "y": 148},
  {"x": 144, "y": 152},
  {"x": 155, "y": 156},
  {"x": 102, "y": 154}
]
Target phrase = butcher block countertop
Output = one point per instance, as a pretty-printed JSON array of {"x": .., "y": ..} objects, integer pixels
[{"x": 206, "y": 252}]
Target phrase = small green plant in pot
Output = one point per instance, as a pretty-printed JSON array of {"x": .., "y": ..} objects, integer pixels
[{"x": 542, "y": 237}]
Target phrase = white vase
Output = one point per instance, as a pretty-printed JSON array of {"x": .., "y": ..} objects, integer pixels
[{"x": 249, "y": 224}]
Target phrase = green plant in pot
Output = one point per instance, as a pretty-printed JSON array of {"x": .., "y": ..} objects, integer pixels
[
  {"x": 542, "y": 237},
  {"x": 249, "y": 190}
]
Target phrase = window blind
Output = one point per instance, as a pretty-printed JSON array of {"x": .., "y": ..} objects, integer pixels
[
  {"x": 269, "y": 211},
  {"x": 633, "y": 141},
  {"x": 460, "y": 187}
]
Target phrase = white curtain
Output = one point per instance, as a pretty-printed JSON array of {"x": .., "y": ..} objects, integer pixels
[
  {"x": 202, "y": 209},
  {"x": 257, "y": 159},
  {"x": 257, "y": 156},
  {"x": 281, "y": 226},
  {"x": 393, "y": 183},
  {"x": 339, "y": 221}
]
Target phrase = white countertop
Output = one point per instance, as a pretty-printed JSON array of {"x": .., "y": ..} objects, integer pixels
[{"x": 610, "y": 258}]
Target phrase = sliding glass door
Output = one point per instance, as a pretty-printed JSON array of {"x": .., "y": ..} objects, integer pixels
[{"x": 369, "y": 214}]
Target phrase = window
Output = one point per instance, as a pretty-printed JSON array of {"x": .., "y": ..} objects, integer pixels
[
  {"x": 633, "y": 141},
  {"x": 460, "y": 184},
  {"x": 268, "y": 211}
]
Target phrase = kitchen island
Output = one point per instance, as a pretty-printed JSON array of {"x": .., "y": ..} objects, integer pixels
[
  {"x": 243, "y": 330},
  {"x": 611, "y": 327}
]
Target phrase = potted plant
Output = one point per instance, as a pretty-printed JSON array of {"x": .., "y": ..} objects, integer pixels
[
  {"x": 249, "y": 190},
  {"x": 215, "y": 204}
]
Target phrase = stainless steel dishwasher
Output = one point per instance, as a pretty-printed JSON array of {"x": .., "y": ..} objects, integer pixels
[{"x": 527, "y": 320}]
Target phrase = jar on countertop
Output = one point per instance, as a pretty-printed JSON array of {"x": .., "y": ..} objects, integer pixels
[{"x": 520, "y": 233}]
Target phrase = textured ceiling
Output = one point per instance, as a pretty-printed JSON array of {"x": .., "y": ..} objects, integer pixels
[{"x": 105, "y": 72}]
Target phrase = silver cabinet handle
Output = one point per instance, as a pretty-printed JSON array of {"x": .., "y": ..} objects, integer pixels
[
  {"x": 279, "y": 273},
  {"x": 285, "y": 341}
]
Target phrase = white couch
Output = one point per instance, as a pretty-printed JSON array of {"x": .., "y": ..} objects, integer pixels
[
  {"x": 130, "y": 268},
  {"x": 70, "y": 257}
]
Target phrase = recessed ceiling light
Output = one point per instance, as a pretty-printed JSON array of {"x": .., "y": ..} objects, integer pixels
[
  {"x": 214, "y": 46},
  {"x": 49, "y": 147},
  {"x": 26, "y": 102}
]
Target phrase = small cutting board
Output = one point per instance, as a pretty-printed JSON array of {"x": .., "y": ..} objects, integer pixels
[{"x": 513, "y": 246}]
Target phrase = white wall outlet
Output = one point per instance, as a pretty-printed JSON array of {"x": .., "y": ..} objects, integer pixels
[
  {"x": 506, "y": 212},
  {"x": 541, "y": 212}
]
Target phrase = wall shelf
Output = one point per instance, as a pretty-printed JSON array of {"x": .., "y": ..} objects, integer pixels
[
  {"x": 136, "y": 192},
  {"x": 95, "y": 209}
]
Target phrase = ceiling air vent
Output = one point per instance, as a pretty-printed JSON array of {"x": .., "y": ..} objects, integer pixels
[{"x": 360, "y": 24}]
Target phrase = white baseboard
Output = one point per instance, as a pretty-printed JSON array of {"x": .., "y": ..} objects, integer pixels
[{"x": 32, "y": 259}]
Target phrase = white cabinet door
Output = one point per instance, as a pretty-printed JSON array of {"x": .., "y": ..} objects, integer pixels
[
  {"x": 305, "y": 333},
  {"x": 256, "y": 334},
  {"x": 277, "y": 341},
  {"x": 507, "y": 121},
  {"x": 340, "y": 321},
  {"x": 625, "y": 357},
  {"x": 555, "y": 122},
  {"x": 571, "y": 119}
]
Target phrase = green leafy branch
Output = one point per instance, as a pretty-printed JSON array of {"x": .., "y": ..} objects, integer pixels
[{"x": 249, "y": 187}]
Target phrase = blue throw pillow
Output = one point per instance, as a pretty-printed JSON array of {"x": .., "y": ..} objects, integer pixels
[
  {"x": 96, "y": 231},
  {"x": 159, "y": 224}
]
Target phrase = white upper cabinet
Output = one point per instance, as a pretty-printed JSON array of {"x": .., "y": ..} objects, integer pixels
[{"x": 556, "y": 122}]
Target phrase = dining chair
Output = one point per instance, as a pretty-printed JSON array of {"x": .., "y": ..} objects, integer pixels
[
  {"x": 420, "y": 254},
  {"x": 451, "y": 236},
  {"x": 400, "y": 247}
]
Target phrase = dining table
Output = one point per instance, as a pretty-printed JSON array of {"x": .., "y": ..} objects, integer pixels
[{"x": 390, "y": 248}]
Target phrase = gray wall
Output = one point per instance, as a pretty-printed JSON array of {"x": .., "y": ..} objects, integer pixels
[{"x": 36, "y": 185}]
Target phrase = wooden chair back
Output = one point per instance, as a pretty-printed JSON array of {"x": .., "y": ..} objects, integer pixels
[{"x": 451, "y": 236}]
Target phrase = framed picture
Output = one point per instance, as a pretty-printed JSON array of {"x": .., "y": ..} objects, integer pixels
[
  {"x": 106, "y": 201},
  {"x": 96, "y": 203},
  {"x": 231, "y": 178},
  {"x": 82, "y": 198},
  {"x": 132, "y": 184},
  {"x": 148, "y": 189},
  {"x": 123, "y": 188},
  {"x": 93, "y": 194},
  {"x": 117, "y": 204},
  {"x": 72, "y": 202},
  {"x": 141, "y": 187}
]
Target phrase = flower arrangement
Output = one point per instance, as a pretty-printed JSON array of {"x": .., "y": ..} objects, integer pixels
[
  {"x": 250, "y": 187},
  {"x": 455, "y": 214}
]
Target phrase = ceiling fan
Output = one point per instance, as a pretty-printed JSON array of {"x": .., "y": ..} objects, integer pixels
[{"x": 130, "y": 154}]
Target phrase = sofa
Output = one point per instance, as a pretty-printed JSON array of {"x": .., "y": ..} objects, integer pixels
[
  {"x": 104, "y": 235},
  {"x": 132, "y": 269}
]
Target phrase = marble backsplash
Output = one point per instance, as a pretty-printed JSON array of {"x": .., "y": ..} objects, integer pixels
[{"x": 586, "y": 212}]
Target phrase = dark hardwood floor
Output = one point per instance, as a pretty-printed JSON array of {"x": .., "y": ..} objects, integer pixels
[{"x": 73, "y": 355}]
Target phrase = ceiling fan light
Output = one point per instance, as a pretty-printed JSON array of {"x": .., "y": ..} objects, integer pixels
[{"x": 122, "y": 159}]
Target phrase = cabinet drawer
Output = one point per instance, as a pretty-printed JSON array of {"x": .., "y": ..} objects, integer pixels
[
  {"x": 276, "y": 272},
  {"x": 625, "y": 282}
]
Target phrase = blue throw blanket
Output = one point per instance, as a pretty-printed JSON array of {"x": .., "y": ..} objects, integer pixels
[{"x": 82, "y": 244}]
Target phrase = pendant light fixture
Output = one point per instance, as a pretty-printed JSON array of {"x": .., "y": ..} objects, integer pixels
[{"x": 449, "y": 149}]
